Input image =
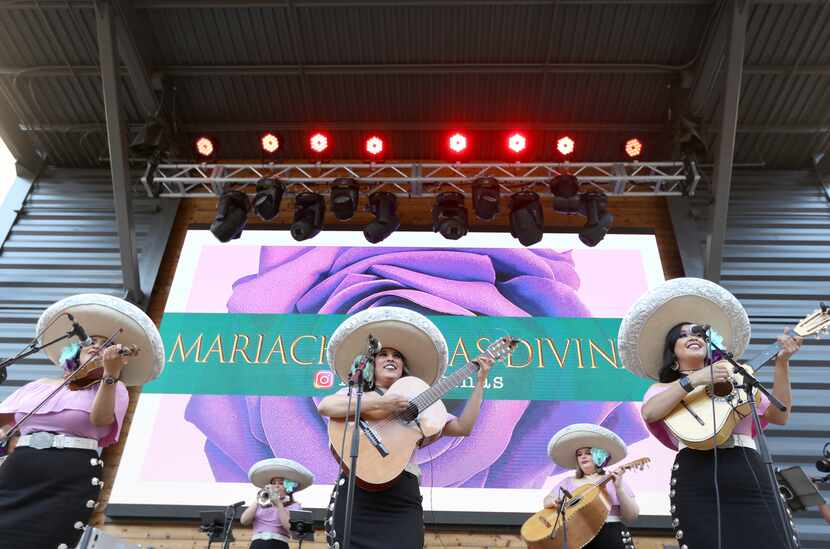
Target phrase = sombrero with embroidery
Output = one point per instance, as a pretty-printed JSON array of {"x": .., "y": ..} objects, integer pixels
[
  {"x": 564, "y": 444},
  {"x": 101, "y": 315},
  {"x": 263, "y": 471},
  {"x": 414, "y": 335},
  {"x": 643, "y": 331}
]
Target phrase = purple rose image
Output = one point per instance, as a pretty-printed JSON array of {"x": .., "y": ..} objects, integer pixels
[{"x": 507, "y": 448}]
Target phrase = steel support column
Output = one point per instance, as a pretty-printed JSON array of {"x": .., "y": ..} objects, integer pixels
[
  {"x": 722, "y": 174},
  {"x": 117, "y": 141}
]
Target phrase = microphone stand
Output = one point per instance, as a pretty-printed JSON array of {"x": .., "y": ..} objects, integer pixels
[
  {"x": 750, "y": 382},
  {"x": 357, "y": 378},
  {"x": 564, "y": 516}
]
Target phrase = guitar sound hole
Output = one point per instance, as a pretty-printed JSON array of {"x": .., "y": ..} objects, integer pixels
[
  {"x": 410, "y": 413},
  {"x": 722, "y": 389}
]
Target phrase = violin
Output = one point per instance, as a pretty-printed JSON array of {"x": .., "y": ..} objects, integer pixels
[{"x": 92, "y": 372}]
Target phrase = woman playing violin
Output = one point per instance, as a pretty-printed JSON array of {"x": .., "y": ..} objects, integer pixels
[{"x": 50, "y": 483}]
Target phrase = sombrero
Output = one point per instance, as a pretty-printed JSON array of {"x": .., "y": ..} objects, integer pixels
[
  {"x": 414, "y": 335},
  {"x": 264, "y": 470},
  {"x": 564, "y": 444},
  {"x": 101, "y": 315},
  {"x": 643, "y": 331}
]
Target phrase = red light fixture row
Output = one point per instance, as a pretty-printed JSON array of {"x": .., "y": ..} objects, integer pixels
[{"x": 458, "y": 144}]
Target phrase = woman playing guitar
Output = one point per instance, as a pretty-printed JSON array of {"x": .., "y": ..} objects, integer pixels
[
  {"x": 588, "y": 449},
  {"x": 412, "y": 346},
  {"x": 50, "y": 483},
  {"x": 659, "y": 339}
]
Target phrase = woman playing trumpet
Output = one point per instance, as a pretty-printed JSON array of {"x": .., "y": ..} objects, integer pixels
[
  {"x": 50, "y": 483},
  {"x": 278, "y": 480}
]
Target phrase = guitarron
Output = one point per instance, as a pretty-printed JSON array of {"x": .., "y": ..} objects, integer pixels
[{"x": 583, "y": 515}]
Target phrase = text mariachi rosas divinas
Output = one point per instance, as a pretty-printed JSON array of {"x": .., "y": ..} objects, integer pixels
[{"x": 310, "y": 350}]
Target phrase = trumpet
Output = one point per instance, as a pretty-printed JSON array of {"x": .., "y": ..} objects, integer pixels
[{"x": 265, "y": 497}]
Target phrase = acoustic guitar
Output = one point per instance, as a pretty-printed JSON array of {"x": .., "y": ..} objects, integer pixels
[
  {"x": 694, "y": 421},
  {"x": 583, "y": 515},
  {"x": 386, "y": 445}
]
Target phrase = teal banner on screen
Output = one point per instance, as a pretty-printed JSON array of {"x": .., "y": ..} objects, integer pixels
[{"x": 284, "y": 355}]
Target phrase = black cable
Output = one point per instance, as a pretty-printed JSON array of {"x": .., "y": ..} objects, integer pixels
[{"x": 714, "y": 442}]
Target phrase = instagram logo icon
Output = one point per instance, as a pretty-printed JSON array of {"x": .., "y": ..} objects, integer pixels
[{"x": 323, "y": 379}]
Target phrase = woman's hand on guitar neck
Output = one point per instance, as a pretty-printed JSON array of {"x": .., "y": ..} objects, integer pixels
[
  {"x": 720, "y": 372},
  {"x": 486, "y": 363}
]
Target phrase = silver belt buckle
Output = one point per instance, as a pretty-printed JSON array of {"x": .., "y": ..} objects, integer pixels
[{"x": 41, "y": 440}]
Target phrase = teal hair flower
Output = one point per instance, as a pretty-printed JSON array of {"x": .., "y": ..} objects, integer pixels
[
  {"x": 70, "y": 352},
  {"x": 599, "y": 456},
  {"x": 716, "y": 342}
]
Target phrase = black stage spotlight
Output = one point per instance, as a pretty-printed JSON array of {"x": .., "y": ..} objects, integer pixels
[
  {"x": 526, "y": 217},
  {"x": 449, "y": 216},
  {"x": 268, "y": 197},
  {"x": 564, "y": 186},
  {"x": 486, "y": 197},
  {"x": 153, "y": 138},
  {"x": 344, "y": 196},
  {"x": 598, "y": 219},
  {"x": 384, "y": 206},
  {"x": 230, "y": 216},
  {"x": 309, "y": 211}
]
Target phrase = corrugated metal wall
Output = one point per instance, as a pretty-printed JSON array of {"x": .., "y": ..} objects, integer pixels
[
  {"x": 777, "y": 262},
  {"x": 65, "y": 242}
]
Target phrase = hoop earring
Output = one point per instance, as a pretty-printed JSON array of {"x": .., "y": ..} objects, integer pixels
[{"x": 675, "y": 366}]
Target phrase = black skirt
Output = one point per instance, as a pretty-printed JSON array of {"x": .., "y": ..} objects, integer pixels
[
  {"x": 47, "y": 496},
  {"x": 614, "y": 535},
  {"x": 380, "y": 520},
  {"x": 748, "y": 513}
]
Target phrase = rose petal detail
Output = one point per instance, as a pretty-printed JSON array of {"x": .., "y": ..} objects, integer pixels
[
  {"x": 481, "y": 297},
  {"x": 560, "y": 300}
]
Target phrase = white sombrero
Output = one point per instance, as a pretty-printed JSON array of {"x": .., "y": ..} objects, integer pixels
[
  {"x": 564, "y": 444},
  {"x": 101, "y": 315},
  {"x": 642, "y": 334},
  {"x": 263, "y": 471},
  {"x": 414, "y": 335}
]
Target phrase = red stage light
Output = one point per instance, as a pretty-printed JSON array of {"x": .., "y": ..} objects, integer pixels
[
  {"x": 633, "y": 147},
  {"x": 565, "y": 145},
  {"x": 517, "y": 143},
  {"x": 374, "y": 145},
  {"x": 270, "y": 143},
  {"x": 205, "y": 146},
  {"x": 458, "y": 143},
  {"x": 318, "y": 142}
]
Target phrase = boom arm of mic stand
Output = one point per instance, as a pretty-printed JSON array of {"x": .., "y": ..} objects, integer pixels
[
  {"x": 27, "y": 353},
  {"x": 749, "y": 379}
]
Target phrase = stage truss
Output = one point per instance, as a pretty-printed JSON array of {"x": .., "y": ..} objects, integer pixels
[{"x": 423, "y": 179}]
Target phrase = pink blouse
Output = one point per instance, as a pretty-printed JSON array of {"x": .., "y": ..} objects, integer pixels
[
  {"x": 67, "y": 412},
  {"x": 266, "y": 519},
  {"x": 570, "y": 484},
  {"x": 662, "y": 433}
]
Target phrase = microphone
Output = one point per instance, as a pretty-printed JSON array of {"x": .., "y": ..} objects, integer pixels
[
  {"x": 78, "y": 330},
  {"x": 362, "y": 361},
  {"x": 701, "y": 330},
  {"x": 823, "y": 464}
]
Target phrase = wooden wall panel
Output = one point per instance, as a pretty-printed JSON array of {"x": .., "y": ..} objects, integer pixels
[{"x": 631, "y": 214}]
